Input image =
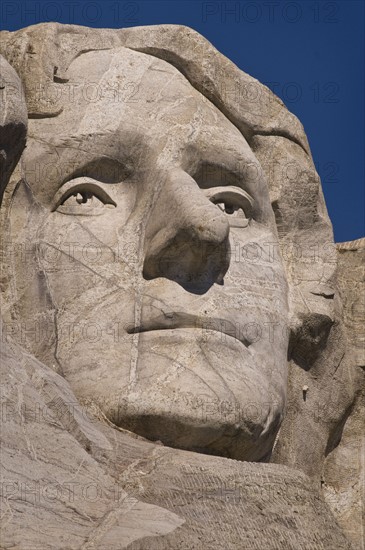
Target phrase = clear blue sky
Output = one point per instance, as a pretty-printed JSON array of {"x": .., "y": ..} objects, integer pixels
[{"x": 310, "y": 52}]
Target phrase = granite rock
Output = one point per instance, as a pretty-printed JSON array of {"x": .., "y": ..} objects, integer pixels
[{"x": 172, "y": 299}]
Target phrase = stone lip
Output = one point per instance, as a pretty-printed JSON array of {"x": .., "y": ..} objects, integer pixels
[{"x": 180, "y": 320}]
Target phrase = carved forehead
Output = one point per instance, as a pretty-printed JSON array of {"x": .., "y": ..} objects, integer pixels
[
  {"x": 136, "y": 90},
  {"x": 105, "y": 87},
  {"x": 43, "y": 53},
  {"x": 124, "y": 103},
  {"x": 119, "y": 74}
]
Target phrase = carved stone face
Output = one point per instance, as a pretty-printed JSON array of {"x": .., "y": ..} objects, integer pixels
[{"x": 154, "y": 235}]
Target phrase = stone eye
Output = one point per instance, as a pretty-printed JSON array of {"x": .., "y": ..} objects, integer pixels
[
  {"x": 233, "y": 201},
  {"x": 229, "y": 208},
  {"x": 82, "y": 197},
  {"x": 237, "y": 215}
]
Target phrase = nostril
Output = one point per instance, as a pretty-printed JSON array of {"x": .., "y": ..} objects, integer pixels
[
  {"x": 193, "y": 263},
  {"x": 180, "y": 259}
]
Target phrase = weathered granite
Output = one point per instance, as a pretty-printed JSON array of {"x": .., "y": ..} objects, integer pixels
[
  {"x": 167, "y": 262},
  {"x": 343, "y": 476},
  {"x": 70, "y": 481},
  {"x": 54, "y": 492},
  {"x": 13, "y": 122}
]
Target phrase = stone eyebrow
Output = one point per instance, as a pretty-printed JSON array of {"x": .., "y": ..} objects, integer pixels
[
  {"x": 209, "y": 174},
  {"x": 227, "y": 166},
  {"x": 104, "y": 169}
]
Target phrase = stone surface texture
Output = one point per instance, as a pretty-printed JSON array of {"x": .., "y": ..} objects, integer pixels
[
  {"x": 72, "y": 482},
  {"x": 13, "y": 122},
  {"x": 344, "y": 469},
  {"x": 182, "y": 344}
]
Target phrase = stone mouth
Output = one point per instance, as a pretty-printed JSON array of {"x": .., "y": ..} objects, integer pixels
[{"x": 181, "y": 320}]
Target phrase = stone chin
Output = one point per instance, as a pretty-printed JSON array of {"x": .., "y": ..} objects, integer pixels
[
  {"x": 244, "y": 433},
  {"x": 245, "y": 439},
  {"x": 190, "y": 392}
]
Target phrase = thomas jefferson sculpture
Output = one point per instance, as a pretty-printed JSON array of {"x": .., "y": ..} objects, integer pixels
[{"x": 168, "y": 258}]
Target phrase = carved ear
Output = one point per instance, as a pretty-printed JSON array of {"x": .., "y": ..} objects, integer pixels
[
  {"x": 13, "y": 122},
  {"x": 309, "y": 339}
]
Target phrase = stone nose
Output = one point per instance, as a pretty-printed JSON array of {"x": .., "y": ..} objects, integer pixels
[{"x": 187, "y": 236}]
